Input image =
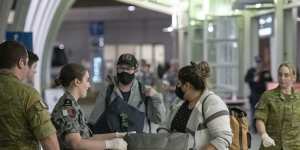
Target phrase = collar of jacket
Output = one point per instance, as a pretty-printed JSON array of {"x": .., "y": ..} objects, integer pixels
[
  {"x": 135, "y": 95},
  {"x": 68, "y": 95},
  {"x": 196, "y": 115},
  {"x": 282, "y": 96},
  {"x": 8, "y": 73}
]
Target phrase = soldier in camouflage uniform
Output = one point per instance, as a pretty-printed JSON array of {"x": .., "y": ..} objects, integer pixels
[
  {"x": 24, "y": 118},
  {"x": 278, "y": 113},
  {"x": 69, "y": 119}
]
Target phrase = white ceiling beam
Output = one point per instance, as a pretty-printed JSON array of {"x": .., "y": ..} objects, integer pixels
[{"x": 150, "y": 5}]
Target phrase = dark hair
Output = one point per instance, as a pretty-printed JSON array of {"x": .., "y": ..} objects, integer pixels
[
  {"x": 10, "y": 54},
  {"x": 32, "y": 58},
  {"x": 69, "y": 73},
  {"x": 195, "y": 74},
  {"x": 128, "y": 59}
]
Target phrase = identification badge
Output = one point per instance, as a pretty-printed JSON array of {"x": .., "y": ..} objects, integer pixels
[{"x": 65, "y": 113}]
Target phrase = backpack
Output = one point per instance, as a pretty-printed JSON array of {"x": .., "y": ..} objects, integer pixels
[
  {"x": 241, "y": 139},
  {"x": 119, "y": 116}
]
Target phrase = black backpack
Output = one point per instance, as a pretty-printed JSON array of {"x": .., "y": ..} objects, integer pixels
[{"x": 119, "y": 116}]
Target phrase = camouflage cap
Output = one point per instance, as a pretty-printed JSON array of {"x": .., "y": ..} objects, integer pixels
[{"x": 128, "y": 59}]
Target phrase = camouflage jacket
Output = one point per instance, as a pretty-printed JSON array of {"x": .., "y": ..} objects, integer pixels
[
  {"x": 24, "y": 118},
  {"x": 281, "y": 115},
  {"x": 68, "y": 117}
]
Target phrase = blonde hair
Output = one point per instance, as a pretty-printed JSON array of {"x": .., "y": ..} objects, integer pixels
[{"x": 291, "y": 68}]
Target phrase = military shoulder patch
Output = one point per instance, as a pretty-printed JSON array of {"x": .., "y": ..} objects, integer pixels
[
  {"x": 67, "y": 102},
  {"x": 71, "y": 112}
]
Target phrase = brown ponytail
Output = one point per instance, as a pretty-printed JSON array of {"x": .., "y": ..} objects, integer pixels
[{"x": 195, "y": 74}]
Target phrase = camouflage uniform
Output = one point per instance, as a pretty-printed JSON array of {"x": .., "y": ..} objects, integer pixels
[
  {"x": 281, "y": 115},
  {"x": 23, "y": 117},
  {"x": 68, "y": 117}
]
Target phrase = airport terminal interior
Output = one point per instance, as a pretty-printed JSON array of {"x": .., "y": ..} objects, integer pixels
[{"x": 233, "y": 36}]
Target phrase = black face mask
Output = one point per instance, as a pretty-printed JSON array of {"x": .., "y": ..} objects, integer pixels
[
  {"x": 179, "y": 93},
  {"x": 125, "y": 78}
]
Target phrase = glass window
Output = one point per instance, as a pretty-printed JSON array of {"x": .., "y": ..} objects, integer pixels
[
  {"x": 126, "y": 48},
  {"x": 223, "y": 52},
  {"x": 154, "y": 54},
  {"x": 110, "y": 54},
  {"x": 159, "y": 51},
  {"x": 146, "y": 52}
]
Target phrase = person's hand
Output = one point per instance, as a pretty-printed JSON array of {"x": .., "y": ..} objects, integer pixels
[
  {"x": 120, "y": 134},
  {"x": 116, "y": 144},
  {"x": 165, "y": 85},
  {"x": 267, "y": 140},
  {"x": 149, "y": 91}
]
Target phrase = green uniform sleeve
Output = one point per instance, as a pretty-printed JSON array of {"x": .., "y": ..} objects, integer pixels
[
  {"x": 69, "y": 122},
  {"x": 262, "y": 109},
  {"x": 38, "y": 117}
]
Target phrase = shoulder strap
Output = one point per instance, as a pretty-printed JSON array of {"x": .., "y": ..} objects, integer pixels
[
  {"x": 109, "y": 91},
  {"x": 200, "y": 126},
  {"x": 212, "y": 117},
  {"x": 203, "y": 115},
  {"x": 142, "y": 92},
  {"x": 145, "y": 101},
  {"x": 203, "y": 124}
]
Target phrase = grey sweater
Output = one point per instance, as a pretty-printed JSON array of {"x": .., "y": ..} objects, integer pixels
[{"x": 156, "y": 109}]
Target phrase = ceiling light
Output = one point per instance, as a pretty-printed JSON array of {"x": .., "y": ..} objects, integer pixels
[
  {"x": 261, "y": 21},
  {"x": 131, "y": 8},
  {"x": 168, "y": 29},
  {"x": 235, "y": 45},
  {"x": 258, "y": 5},
  {"x": 269, "y": 19},
  {"x": 210, "y": 27}
]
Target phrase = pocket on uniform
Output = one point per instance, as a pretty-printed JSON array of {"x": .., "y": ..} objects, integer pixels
[{"x": 295, "y": 117}]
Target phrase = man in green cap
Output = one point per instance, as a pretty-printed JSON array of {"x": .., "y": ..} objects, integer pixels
[
  {"x": 24, "y": 119},
  {"x": 127, "y": 89}
]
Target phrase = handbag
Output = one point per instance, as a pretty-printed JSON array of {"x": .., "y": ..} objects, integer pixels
[
  {"x": 159, "y": 141},
  {"x": 120, "y": 117}
]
